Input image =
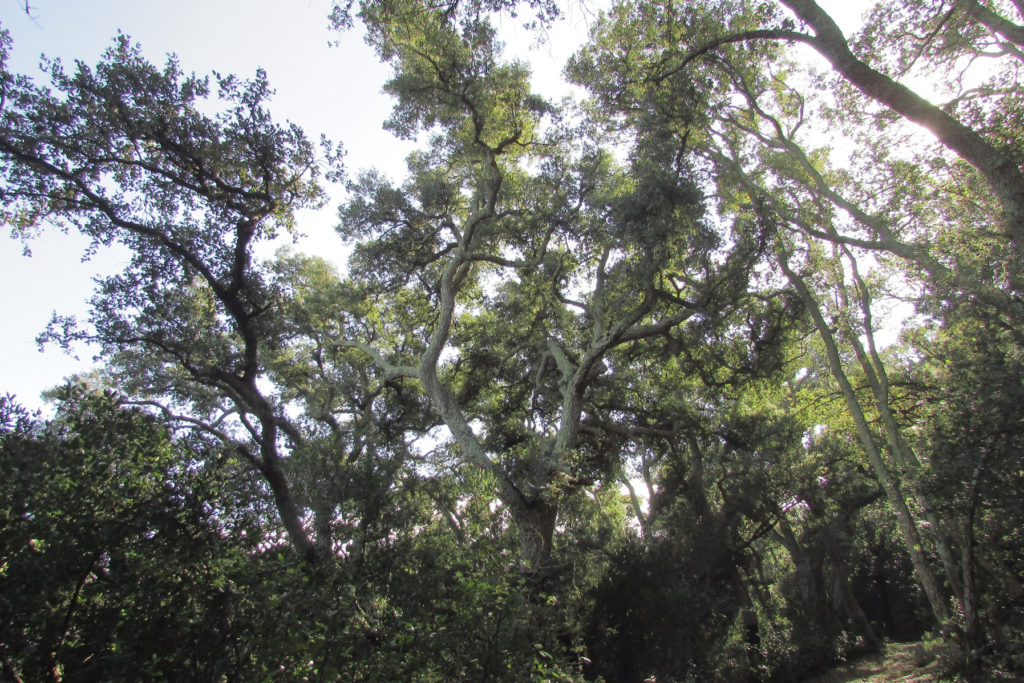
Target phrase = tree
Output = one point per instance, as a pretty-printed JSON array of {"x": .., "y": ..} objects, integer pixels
[
  {"x": 1001, "y": 170},
  {"x": 521, "y": 285},
  {"x": 969, "y": 424},
  {"x": 116, "y": 544},
  {"x": 671, "y": 292},
  {"x": 124, "y": 153},
  {"x": 646, "y": 62}
]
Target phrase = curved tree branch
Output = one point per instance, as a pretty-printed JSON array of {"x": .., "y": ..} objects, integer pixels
[{"x": 1003, "y": 175}]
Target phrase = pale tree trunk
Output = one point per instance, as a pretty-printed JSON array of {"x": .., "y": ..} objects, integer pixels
[
  {"x": 810, "y": 583},
  {"x": 533, "y": 516},
  {"x": 898, "y": 446},
  {"x": 806, "y": 584},
  {"x": 890, "y": 483},
  {"x": 641, "y": 518},
  {"x": 877, "y": 378}
]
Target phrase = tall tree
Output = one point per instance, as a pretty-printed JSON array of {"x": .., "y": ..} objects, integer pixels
[
  {"x": 124, "y": 153},
  {"x": 521, "y": 261},
  {"x": 646, "y": 62}
]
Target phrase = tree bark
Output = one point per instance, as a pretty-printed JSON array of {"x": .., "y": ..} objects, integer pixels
[
  {"x": 854, "y": 612},
  {"x": 972, "y": 631},
  {"x": 535, "y": 521}
]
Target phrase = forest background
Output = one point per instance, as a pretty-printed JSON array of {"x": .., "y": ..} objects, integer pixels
[{"x": 600, "y": 394}]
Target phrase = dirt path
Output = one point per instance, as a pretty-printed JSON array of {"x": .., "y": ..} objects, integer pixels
[{"x": 900, "y": 662}]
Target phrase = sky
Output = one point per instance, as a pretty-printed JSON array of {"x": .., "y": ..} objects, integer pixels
[{"x": 326, "y": 82}]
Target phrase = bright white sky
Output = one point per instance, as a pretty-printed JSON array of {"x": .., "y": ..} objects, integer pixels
[{"x": 327, "y": 89}]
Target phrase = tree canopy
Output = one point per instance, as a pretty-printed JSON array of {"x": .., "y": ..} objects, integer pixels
[{"x": 602, "y": 393}]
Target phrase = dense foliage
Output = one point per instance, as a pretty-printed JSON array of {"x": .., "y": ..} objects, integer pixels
[{"x": 601, "y": 394}]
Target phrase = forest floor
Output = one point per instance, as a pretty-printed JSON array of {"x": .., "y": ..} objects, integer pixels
[{"x": 902, "y": 662}]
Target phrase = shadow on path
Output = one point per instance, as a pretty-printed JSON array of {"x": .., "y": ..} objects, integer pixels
[{"x": 901, "y": 662}]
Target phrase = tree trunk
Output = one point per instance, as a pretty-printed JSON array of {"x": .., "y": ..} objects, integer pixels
[
  {"x": 842, "y": 597},
  {"x": 535, "y": 521},
  {"x": 904, "y": 455},
  {"x": 288, "y": 509},
  {"x": 890, "y": 484},
  {"x": 994, "y": 22},
  {"x": 972, "y": 631}
]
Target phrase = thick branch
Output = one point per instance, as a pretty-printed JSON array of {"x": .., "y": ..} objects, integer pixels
[
  {"x": 1003, "y": 175},
  {"x": 991, "y": 20}
]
